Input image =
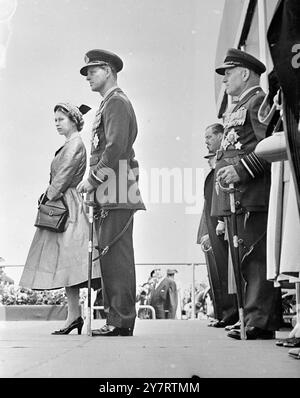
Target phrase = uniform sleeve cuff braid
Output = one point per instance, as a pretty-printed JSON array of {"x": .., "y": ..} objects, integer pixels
[
  {"x": 247, "y": 168},
  {"x": 253, "y": 164}
]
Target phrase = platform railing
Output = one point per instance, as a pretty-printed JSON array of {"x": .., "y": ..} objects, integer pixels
[{"x": 138, "y": 307}]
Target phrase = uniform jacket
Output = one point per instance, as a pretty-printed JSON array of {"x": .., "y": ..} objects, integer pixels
[
  {"x": 242, "y": 132},
  {"x": 113, "y": 169},
  {"x": 202, "y": 229},
  {"x": 67, "y": 168},
  {"x": 164, "y": 299},
  {"x": 203, "y": 226}
]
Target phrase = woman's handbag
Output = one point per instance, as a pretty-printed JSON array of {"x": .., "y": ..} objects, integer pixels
[{"x": 52, "y": 214}]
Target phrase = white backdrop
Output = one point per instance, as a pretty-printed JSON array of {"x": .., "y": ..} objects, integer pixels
[{"x": 168, "y": 48}]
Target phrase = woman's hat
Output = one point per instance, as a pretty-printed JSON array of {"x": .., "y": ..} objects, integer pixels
[{"x": 74, "y": 111}]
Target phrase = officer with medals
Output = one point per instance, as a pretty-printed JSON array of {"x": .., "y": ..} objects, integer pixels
[
  {"x": 113, "y": 177},
  {"x": 237, "y": 164}
]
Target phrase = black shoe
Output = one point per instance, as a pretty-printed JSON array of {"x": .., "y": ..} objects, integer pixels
[
  {"x": 289, "y": 342},
  {"x": 283, "y": 342},
  {"x": 78, "y": 323},
  {"x": 109, "y": 330},
  {"x": 212, "y": 322},
  {"x": 219, "y": 324},
  {"x": 253, "y": 333},
  {"x": 294, "y": 353},
  {"x": 236, "y": 326}
]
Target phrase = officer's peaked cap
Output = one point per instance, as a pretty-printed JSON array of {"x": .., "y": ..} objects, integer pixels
[
  {"x": 236, "y": 57},
  {"x": 100, "y": 57}
]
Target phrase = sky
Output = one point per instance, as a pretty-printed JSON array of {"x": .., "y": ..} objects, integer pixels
[{"x": 168, "y": 48}]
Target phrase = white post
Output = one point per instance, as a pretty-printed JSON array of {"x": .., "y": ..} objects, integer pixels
[
  {"x": 296, "y": 330},
  {"x": 298, "y": 303},
  {"x": 193, "y": 292}
]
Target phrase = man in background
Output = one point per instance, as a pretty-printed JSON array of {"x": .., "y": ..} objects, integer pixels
[
  {"x": 164, "y": 298},
  {"x": 171, "y": 275},
  {"x": 213, "y": 137},
  {"x": 214, "y": 246}
]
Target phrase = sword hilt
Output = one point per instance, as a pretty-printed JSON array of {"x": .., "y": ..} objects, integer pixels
[
  {"x": 229, "y": 189},
  {"x": 90, "y": 203}
]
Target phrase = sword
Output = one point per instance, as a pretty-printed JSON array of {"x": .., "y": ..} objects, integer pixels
[
  {"x": 236, "y": 261},
  {"x": 91, "y": 206}
]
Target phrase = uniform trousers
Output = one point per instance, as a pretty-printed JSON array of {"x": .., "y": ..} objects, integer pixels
[
  {"x": 262, "y": 306},
  {"x": 118, "y": 268}
]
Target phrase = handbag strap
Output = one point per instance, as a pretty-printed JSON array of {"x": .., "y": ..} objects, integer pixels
[
  {"x": 43, "y": 197},
  {"x": 41, "y": 200},
  {"x": 103, "y": 251}
]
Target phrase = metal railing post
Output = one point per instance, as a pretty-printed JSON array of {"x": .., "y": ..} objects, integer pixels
[{"x": 193, "y": 292}]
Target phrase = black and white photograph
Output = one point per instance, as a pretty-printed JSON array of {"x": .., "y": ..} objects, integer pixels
[{"x": 150, "y": 201}]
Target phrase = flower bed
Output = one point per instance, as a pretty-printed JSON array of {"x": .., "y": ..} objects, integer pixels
[
  {"x": 12, "y": 295},
  {"x": 19, "y": 304}
]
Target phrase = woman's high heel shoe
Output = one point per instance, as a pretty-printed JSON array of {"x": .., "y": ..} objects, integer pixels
[{"x": 78, "y": 323}]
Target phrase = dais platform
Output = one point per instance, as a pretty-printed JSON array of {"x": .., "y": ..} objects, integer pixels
[{"x": 159, "y": 349}]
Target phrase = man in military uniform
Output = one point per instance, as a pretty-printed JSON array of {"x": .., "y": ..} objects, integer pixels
[
  {"x": 214, "y": 246},
  {"x": 237, "y": 164},
  {"x": 113, "y": 177}
]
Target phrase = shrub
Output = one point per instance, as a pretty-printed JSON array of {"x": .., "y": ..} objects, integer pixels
[{"x": 12, "y": 295}]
